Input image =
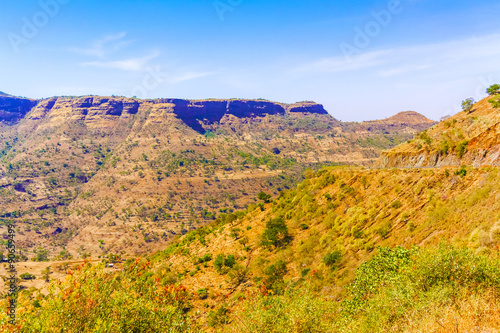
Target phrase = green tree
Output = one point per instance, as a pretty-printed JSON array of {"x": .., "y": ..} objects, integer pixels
[
  {"x": 333, "y": 258},
  {"x": 468, "y": 104},
  {"x": 264, "y": 197},
  {"x": 41, "y": 255},
  {"x": 276, "y": 233},
  {"x": 493, "y": 89},
  {"x": 46, "y": 273}
]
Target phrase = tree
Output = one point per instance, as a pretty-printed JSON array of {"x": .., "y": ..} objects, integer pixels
[
  {"x": 276, "y": 233},
  {"x": 46, "y": 273},
  {"x": 264, "y": 197},
  {"x": 333, "y": 258},
  {"x": 493, "y": 89},
  {"x": 468, "y": 104}
]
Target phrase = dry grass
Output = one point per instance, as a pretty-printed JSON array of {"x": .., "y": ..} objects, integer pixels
[{"x": 474, "y": 314}]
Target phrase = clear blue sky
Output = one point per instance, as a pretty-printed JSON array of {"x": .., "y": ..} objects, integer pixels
[{"x": 422, "y": 55}]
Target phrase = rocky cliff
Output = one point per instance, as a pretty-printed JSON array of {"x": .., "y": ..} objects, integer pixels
[{"x": 14, "y": 108}]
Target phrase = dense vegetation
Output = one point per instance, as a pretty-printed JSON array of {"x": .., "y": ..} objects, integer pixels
[{"x": 405, "y": 290}]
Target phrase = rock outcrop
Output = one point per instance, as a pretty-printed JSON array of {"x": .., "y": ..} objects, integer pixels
[{"x": 13, "y": 108}]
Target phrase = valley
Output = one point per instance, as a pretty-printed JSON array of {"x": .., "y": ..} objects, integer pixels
[{"x": 95, "y": 175}]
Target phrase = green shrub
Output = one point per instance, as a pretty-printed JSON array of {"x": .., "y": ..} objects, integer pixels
[
  {"x": 399, "y": 281},
  {"x": 230, "y": 261},
  {"x": 222, "y": 264},
  {"x": 461, "y": 148},
  {"x": 27, "y": 276},
  {"x": 275, "y": 273},
  {"x": 332, "y": 258},
  {"x": 396, "y": 204},
  {"x": 264, "y": 197},
  {"x": 205, "y": 258},
  {"x": 462, "y": 172}
]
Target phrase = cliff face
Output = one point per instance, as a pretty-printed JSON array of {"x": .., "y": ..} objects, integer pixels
[
  {"x": 14, "y": 108},
  {"x": 194, "y": 113},
  {"x": 464, "y": 139}
]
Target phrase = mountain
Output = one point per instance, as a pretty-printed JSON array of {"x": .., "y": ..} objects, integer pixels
[
  {"x": 467, "y": 138},
  {"x": 341, "y": 249},
  {"x": 96, "y": 174}
]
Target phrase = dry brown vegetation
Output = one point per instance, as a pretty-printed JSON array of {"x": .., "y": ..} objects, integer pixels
[{"x": 83, "y": 176}]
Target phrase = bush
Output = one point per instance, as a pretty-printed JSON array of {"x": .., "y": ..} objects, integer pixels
[
  {"x": 400, "y": 282},
  {"x": 264, "y": 197},
  {"x": 462, "y": 172},
  {"x": 396, "y": 204},
  {"x": 275, "y": 273},
  {"x": 333, "y": 258},
  {"x": 205, "y": 258},
  {"x": 41, "y": 255},
  {"x": 27, "y": 276},
  {"x": 222, "y": 264},
  {"x": 495, "y": 102},
  {"x": 91, "y": 299},
  {"x": 461, "y": 148}
]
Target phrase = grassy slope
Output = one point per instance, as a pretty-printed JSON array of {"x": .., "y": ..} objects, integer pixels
[
  {"x": 349, "y": 210},
  {"x": 469, "y": 138}
]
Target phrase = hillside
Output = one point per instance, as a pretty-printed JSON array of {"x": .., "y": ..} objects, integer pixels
[
  {"x": 298, "y": 255},
  {"x": 97, "y": 174},
  {"x": 467, "y": 138}
]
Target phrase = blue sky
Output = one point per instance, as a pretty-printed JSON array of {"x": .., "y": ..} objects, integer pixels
[{"x": 361, "y": 59}]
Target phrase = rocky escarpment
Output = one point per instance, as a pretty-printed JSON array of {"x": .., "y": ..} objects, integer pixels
[
  {"x": 13, "y": 108},
  {"x": 193, "y": 113},
  {"x": 208, "y": 112},
  {"x": 306, "y": 107},
  {"x": 467, "y": 138}
]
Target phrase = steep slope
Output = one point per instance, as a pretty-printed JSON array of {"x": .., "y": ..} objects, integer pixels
[
  {"x": 467, "y": 138},
  {"x": 311, "y": 240},
  {"x": 99, "y": 174},
  {"x": 352, "y": 211}
]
